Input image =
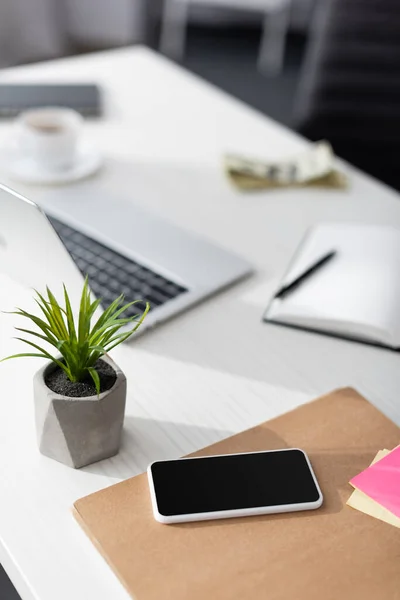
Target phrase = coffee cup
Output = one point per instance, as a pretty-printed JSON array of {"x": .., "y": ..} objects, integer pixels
[{"x": 49, "y": 137}]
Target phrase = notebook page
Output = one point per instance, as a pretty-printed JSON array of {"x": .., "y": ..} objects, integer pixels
[{"x": 357, "y": 291}]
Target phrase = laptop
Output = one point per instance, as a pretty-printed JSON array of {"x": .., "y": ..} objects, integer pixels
[{"x": 119, "y": 246}]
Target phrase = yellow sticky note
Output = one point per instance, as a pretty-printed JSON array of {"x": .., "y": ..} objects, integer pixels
[{"x": 365, "y": 504}]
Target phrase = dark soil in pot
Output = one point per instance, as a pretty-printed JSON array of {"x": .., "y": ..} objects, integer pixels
[{"x": 58, "y": 382}]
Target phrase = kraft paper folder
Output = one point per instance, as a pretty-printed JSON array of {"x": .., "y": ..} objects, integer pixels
[{"x": 334, "y": 553}]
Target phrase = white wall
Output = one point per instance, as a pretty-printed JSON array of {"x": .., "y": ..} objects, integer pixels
[
  {"x": 106, "y": 22},
  {"x": 29, "y": 30}
]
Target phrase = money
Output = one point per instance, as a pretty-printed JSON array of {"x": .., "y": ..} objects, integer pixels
[{"x": 314, "y": 167}]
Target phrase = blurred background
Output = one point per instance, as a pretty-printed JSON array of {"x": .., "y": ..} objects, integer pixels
[{"x": 327, "y": 68}]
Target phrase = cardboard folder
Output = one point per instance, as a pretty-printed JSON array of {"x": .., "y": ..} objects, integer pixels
[{"x": 333, "y": 553}]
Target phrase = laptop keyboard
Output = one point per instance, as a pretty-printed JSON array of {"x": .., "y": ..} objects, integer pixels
[{"x": 111, "y": 274}]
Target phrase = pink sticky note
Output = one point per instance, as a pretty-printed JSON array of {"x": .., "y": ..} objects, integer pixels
[{"x": 381, "y": 481}]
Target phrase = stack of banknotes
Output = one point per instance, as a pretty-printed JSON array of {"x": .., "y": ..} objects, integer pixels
[{"x": 313, "y": 167}]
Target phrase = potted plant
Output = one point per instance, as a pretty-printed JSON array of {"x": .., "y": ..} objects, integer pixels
[{"x": 80, "y": 393}]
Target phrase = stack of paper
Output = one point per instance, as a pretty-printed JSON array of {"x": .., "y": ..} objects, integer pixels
[{"x": 377, "y": 489}]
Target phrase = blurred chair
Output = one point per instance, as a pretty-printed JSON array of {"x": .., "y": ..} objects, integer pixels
[
  {"x": 276, "y": 21},
  {"x": 349, "y": 89},
  {"x": 40, "y": 29}
]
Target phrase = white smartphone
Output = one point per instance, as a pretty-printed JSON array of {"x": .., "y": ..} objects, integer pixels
[{"x": 233, "y": 485}]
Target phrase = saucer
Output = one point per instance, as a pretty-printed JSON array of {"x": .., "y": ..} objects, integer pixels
[{"x": 87, "y": 161}]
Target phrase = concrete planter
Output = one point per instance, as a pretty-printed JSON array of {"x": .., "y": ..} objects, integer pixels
[{"x": 79, "y": 431}]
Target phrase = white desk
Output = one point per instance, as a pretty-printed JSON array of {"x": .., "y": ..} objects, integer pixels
[{"x": 210, "y": 372}]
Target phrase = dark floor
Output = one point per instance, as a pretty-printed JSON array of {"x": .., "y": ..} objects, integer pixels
[
  {"x": 7, "y": 591},
  {"x": 228, "y": 58}
]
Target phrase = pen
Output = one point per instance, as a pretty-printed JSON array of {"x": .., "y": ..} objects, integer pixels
[{"x": 286, "y": 289}]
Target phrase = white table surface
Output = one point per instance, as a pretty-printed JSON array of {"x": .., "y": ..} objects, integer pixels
[{"x": 208, "y": 373}]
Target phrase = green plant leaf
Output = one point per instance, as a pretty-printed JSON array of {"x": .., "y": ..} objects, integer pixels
[
  {"x": 110, "y": 325},
  {"x": 42, "y": 351},
  {"x": 48, "y": 339},
  {"x": 97, "y": 349},
  {"x": 106, "y": 314},
  {"x": 118, "y": 340},
  {"x": 39, "y": 322},
  {"x": 79, "y": 344},
  {"x": 124, "y": 308},
  {"x": 96, "y": 379},
  {"x": 70, "y": 317},
  {"x": 94, "y": 306},
  {"x": 57, "y": 313},
  {"x": 24, "y": 354},
  {"x": 84, "y": 321},
  {"x": 46, "y": 309},
  {"x": 124, "y": 336}
]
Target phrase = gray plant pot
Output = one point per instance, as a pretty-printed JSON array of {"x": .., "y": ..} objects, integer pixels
[{"x": 79, "y": 431}]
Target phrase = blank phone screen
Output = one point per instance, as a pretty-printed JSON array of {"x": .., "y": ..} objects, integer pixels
[{"x": 232, "y": 482}]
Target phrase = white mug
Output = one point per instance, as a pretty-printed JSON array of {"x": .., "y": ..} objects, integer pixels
[{"x": 49, "y": 136}]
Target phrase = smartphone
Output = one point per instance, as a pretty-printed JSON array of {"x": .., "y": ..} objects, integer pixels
[
  {"x": 233, "y": 485},
  {"x": 15, "y": 97}
]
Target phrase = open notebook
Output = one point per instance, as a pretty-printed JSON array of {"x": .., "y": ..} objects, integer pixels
[{"x": 356, "y": 294}]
